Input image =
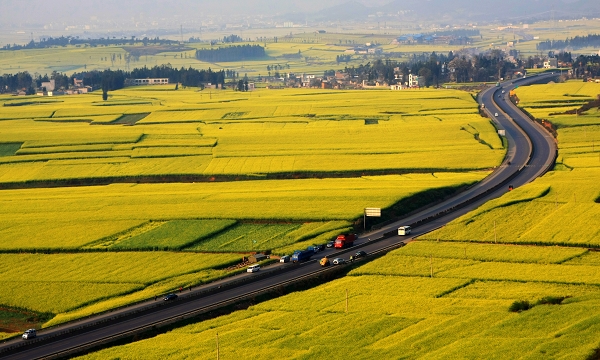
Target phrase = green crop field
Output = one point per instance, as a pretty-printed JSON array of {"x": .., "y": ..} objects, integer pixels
[
  {"x": 460, "y": 312},
  {"x": 174, "y": 234}
]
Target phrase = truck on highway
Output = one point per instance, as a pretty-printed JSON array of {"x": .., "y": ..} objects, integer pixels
[
  {"x": 302, "y": 255},
  {"x": 344, "y": 241}
]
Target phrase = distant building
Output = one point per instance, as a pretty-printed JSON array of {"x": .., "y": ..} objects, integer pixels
[
  {"x": 397, "y": 87},
  {"x": 49, "y": 85},
  {"x": 551, "y": 63},
  {"x": 415, "y": 81},
  {"x": 137, "y": 82}
]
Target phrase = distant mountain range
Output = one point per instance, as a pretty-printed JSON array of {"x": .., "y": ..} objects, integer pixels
[
  {"x": 465, "y": 10},
  {"x": 19, "y": 12}
]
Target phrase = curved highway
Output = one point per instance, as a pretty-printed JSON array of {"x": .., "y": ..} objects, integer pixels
[{"x": 531, "y": 152}]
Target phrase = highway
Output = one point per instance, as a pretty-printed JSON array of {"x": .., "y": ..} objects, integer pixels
[{"x": 531, "y": 152}]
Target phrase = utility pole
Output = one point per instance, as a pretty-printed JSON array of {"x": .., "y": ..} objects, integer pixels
[
  {"x": 431, "y": 264},
  {"x": 181, "y": 31},
  {"x": 217, "y": 346},
  {"x": 495, "y": 235},
  {"x": 346, "y": 301}
]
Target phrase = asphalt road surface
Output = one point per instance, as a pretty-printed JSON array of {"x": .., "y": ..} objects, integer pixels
[{"x": 531, "y": 152}]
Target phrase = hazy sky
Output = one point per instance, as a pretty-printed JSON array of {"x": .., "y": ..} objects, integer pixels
[
  {"x": 48, "y": 11},
  {"x": 23, "y": 13}
]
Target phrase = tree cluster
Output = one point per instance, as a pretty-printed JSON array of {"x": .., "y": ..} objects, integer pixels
[
  {"x": 232, "y": 53},
  {"x": 17, "y": 82},
  {"x": 576, "y": 42},
  {"x": 242, "y": 85},
  {"x": 436, "y": 68},
  {"x": 587, "y": 66},
  {"x": 232, "y": 39},
  {"x": 343, "y": 58}
]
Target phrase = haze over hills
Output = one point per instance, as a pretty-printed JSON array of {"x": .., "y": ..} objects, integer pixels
[{"x": 20, "y": 12}]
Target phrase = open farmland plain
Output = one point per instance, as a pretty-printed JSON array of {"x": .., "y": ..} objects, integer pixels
[
  {"x": 517, "y": 278},
  {"x": 396, "y": 306},
  {"x": 299, "y": 50},
  {"x": 168, "y": 167}
]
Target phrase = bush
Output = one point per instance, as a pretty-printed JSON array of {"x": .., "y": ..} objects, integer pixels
[
  {"x": 520, "y": 305},
  {"x": 551, "y": 300}
]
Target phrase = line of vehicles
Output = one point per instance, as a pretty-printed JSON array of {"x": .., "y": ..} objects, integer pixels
[{"x": 341, "y": 242}]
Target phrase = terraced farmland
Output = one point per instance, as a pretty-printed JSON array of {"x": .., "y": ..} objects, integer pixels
[
  {"x": 287, "y": 132},
  {"x": 169, "y": 166},
  {"x": 450, "y": 297}
]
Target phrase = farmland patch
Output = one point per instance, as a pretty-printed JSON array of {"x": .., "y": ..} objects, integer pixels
[
  {"x": 9, "y": 149},
  {"x": 129, "y": 119}
]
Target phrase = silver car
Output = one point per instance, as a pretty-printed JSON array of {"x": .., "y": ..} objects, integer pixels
[{"x": 29, "y": 334}]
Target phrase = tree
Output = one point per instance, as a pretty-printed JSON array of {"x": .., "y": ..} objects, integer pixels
[
  {"x": 240, "y": 85},
  {"x": 425, "y": 73}
]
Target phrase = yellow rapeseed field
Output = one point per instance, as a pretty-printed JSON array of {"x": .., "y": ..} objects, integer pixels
[{"x": 366, "y": 315}]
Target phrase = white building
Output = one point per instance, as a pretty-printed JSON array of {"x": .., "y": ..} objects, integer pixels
[
  {"x": 149, "y": 81},
  {"x": 49, "y": 85},
  {"x": 415, "y": 81}
]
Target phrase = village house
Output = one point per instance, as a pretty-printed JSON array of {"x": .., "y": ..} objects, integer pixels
[{"x": 149, "y": 81}]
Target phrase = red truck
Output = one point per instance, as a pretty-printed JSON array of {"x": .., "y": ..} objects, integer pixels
[{"x": 344, "y": 240}]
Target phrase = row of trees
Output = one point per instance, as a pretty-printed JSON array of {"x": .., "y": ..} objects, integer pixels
[
  {"x": 112, "y": 79},
  {"x": 232, "y": 53},
  {"x": 75, "y": 40},
  {"x": 576, "y": 42}
]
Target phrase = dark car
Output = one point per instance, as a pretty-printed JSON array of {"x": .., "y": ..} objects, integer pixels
[
  {"x": 330, "y": 244},
  {"x": 360, "y": 254},
  {"x": 170, "y": 297},
  {"x": 319, "y": 247}
]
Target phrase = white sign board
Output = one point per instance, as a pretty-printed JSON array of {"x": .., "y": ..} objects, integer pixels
[
  {"x": 502, "y": 132},
  {"x": 374, "y": 212}
]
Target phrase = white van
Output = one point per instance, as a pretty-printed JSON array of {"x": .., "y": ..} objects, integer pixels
[
  {"x": 404, "y": 230},
  {"x": 253, "y": 268}
]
